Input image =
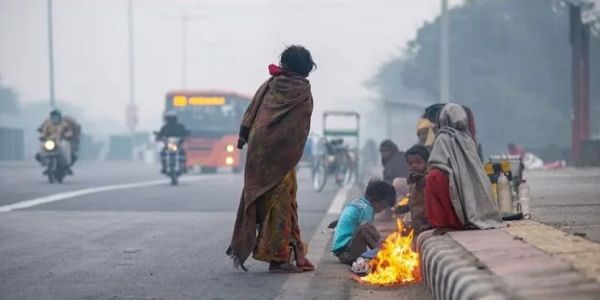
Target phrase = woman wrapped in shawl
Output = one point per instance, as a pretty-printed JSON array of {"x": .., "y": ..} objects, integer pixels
[
  {"x": 275, "y": 127},
  {"x": 458, "y": 192}
]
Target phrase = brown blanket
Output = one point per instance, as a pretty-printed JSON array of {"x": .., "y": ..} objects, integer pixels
[{"x": 276, "y": 125}]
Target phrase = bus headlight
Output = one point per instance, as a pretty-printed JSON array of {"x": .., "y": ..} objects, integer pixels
[
  {"x": 49, "y": 145},
  {"x": 172, "y": 146},
  {"x": 229, "y": 148},
  {"x": 229, "y": 160}
]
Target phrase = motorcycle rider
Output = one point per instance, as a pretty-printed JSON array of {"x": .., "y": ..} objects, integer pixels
[
  {"x": 172, "y": 128},
  {"x": 65, "y": 132},
  {"x": 76, "y": 128}
]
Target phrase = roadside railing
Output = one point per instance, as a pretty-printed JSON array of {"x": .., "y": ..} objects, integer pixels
[{"x": 12, "y": 145}]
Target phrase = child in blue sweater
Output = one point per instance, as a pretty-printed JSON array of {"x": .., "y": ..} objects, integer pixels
[{"x": 355, "y": 232}]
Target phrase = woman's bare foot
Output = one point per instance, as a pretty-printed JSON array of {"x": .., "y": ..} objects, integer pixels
[
  {"x": 305, "y": 265},
  {"x": 284, "y": 267}
]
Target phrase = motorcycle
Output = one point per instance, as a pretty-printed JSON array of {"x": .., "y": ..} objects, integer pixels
[
  {"x": 52, "y": 158},
  {"x": 336, "y": 162},
  {"x": 174, "y": 169}
]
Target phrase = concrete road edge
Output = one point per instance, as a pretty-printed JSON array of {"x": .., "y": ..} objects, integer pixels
[
  {"x": 295, "y": 287},
  {"x": 451, "y": 272},
  {"x": 525, "y": 259}
]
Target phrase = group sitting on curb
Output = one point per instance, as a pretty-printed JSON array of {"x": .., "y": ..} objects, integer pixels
[
  {"x": 449, "y": 188},
  {"x": 448, "y": 185}
]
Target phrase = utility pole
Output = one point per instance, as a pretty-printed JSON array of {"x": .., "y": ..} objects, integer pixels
[
  {"x": 444, "y": 55},
  {"x": 131, "y": 56},
  {"x": 131, "y": 109},
  {"x": 580, "y": 68},
  {"x": 51, "y": 55},
  {"x": 184, "y": 20}
]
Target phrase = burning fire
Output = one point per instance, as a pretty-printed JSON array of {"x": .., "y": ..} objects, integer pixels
[
  {"x": 404, "y": 200},
  {"x": 395, "y": 262}
]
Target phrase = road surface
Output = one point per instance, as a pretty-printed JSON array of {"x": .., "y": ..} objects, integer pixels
[
  {"x": 126, "y": 234},
  {"x": 568, "y": 199},
  {"x": 150, "y": 242}
]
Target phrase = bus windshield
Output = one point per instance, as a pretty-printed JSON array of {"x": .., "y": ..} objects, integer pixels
[{"x": 209, "y": 115}]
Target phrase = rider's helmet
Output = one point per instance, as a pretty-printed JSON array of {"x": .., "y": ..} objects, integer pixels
[
  {"x": 170, "y": 117},
  {"x": 55, "y": 116}
]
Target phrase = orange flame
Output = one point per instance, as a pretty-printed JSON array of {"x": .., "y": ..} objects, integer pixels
[
  {"x": 404, "y": 200},
  {"x": 396, "y": 262}
]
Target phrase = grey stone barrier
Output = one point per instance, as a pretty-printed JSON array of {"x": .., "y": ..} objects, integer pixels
[
  {"x": 12, "y": 144},
  {"x": 450, "y": 272}
]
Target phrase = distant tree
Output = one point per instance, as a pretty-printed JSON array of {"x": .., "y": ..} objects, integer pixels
[{"x": 510, "y": 61}]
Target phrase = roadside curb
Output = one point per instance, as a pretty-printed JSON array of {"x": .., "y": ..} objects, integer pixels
[
  {"x": 297, "y": 284},
  {"x": 451, "y": 272},
  {"x": 524, "y": 260},
  {"x": 582, "y": 254}
]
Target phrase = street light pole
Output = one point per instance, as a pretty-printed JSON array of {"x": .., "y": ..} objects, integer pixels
[
  {"x": 131, "y": 57},
  {"x": 184, "y": 20},
  {"x": 444, "y": 55},
  {"x": 131, "y": 110},
  {"x": 51, "y": 55}
]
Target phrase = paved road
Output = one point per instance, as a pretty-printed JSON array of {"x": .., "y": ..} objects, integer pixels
[
  {"x": 153, "y": 242},
  {"x": 568, "y": 199},
  {"x": 22, "y": 181},
  {"x": 163, "y": 242}
]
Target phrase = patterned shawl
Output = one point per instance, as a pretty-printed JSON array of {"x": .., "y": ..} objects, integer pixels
[{"x": 276, "y": 125}]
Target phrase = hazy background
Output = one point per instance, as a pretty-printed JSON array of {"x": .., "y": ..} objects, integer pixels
[
  {"x": 510, "y": 60},
  {"x": 230, "y": 44}
]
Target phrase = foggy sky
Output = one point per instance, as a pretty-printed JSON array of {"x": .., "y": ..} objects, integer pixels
[{"x": 230, "y": 44}]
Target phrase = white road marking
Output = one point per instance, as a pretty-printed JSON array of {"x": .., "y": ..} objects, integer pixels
[
  {"x": 296, "y": 286},
  {"x": 78, "y": 193}
]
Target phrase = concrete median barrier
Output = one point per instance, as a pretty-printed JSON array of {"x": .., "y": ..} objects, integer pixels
[
  {"x": 451, "y": 272},
  {"x": 12, "y": 145},
  {"x": 590, "y": 154},
  {"x": 525, "y": 260}
]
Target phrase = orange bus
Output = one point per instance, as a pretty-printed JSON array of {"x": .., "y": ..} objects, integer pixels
[{"x": 213, "y": 119}]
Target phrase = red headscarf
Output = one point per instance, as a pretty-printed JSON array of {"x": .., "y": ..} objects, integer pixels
[{"x": 276, "y": 70}]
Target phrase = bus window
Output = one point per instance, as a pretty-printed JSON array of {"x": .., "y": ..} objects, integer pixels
[
  {"x": 222, "y": 117},
  {"x": 227, "y": 110}
]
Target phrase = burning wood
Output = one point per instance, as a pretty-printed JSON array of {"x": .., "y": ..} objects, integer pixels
[{"x": 396, "y": 262}]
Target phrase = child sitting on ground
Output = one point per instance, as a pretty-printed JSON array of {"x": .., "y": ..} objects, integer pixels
[
  {"x": 355, "y": 232},
  {"x": 416, "y": 158}
]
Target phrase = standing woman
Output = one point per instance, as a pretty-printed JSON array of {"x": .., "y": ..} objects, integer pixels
[{"x": 275, "y": 126}]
